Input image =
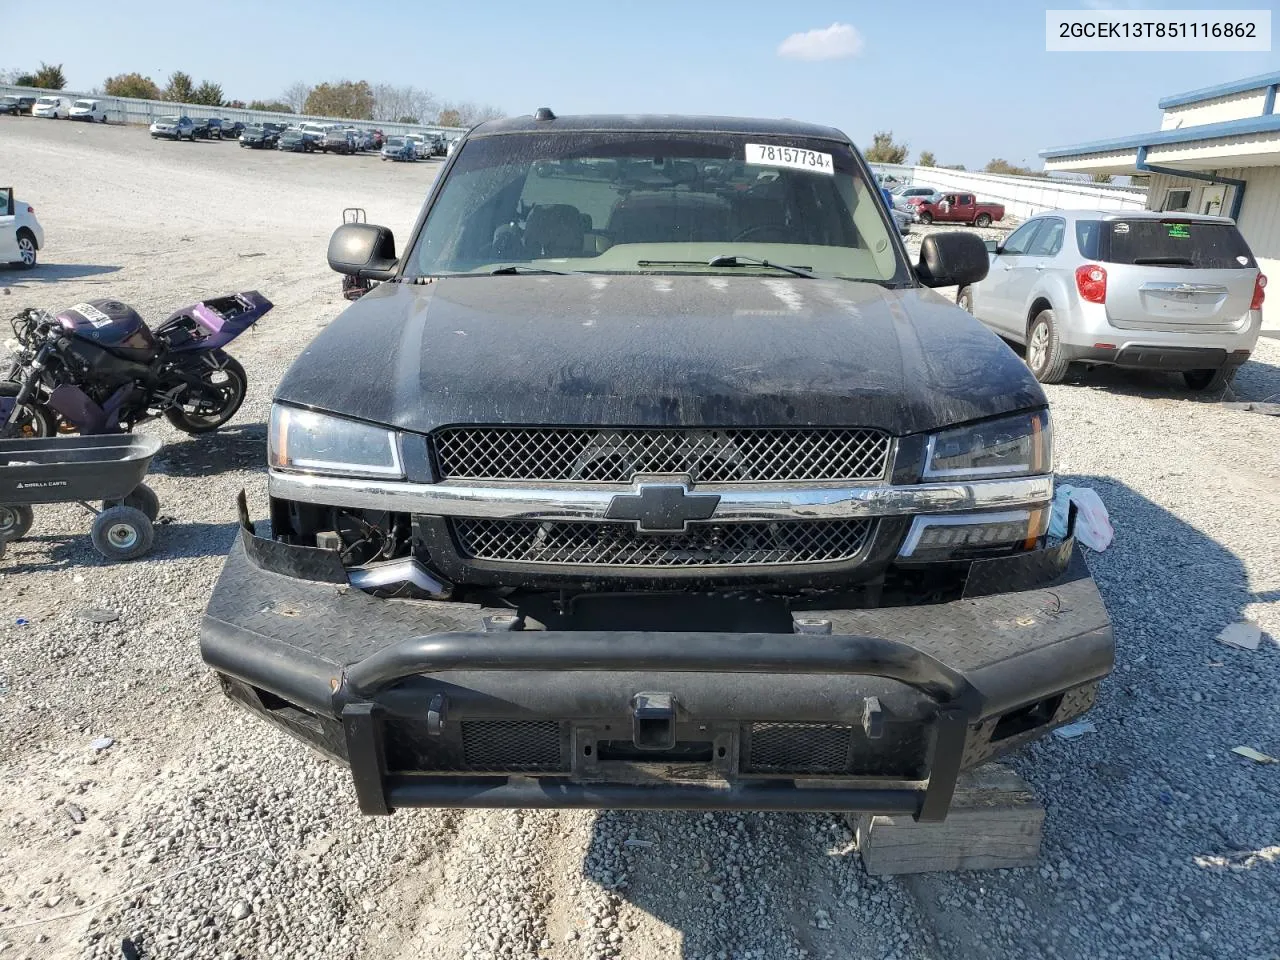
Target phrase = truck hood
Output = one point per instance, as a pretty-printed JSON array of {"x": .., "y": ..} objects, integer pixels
[{"x": 657, "y": 351}]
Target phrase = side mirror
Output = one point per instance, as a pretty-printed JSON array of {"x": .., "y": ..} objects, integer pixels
[
  {"x": 363, "y": 250},
  {"x": 955, "y": 258}
]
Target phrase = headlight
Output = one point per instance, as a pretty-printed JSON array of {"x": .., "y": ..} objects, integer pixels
[
  {"x": 1008, "y": 447},
  {"x": 318, "y": 443}
]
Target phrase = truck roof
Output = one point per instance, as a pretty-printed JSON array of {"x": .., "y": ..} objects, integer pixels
[{"x": 657, "y": 123}]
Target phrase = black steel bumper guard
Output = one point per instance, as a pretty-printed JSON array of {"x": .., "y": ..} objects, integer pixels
[
  {"x": 1023, "y": 651},
  {"x": 380, "y": 793}
]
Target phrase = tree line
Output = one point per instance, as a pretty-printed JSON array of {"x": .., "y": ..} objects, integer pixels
[
  {"x": 353, "y": 99},
  {"x": 884, "y": 149}
]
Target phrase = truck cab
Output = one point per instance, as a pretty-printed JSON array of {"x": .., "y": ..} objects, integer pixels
[{"x": 653, "y": 474}]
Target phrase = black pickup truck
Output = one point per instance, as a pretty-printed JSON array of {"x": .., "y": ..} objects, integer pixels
[{"x": 651, "y": 474}]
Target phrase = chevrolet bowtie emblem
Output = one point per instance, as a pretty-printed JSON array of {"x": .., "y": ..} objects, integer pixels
[{"x": 662, "y": 507}]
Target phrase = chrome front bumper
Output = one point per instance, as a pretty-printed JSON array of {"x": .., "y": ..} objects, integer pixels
[{"x": 566, "y": 502}]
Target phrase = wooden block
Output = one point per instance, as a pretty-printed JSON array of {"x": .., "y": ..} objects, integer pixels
[{"x": 995, "y": 822}]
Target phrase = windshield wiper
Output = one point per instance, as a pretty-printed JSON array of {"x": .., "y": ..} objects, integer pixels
[
  {"x": 729, "y": 260},
  {"x": 1163, "y": 261},
  {"x": 516, "y": 268}
]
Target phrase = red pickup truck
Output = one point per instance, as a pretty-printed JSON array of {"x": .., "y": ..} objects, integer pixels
[{"x": 957, "y": 208}]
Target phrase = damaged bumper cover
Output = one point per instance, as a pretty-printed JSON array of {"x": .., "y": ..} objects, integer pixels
[{"x": 439, "y": 704}]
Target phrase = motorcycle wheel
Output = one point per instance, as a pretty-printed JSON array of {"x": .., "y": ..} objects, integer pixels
[
  {"x": 230, "y": 382},
  {"x": 34, "y": 419}
]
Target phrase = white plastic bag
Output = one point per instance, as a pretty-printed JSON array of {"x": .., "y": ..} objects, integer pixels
[{"x": 1093, "y": 526}]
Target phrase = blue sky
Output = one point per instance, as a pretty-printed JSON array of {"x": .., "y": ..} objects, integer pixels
[{"x": 967, "y": 80}]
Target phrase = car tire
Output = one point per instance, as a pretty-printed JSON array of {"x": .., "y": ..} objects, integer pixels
[
  {"x": 926, "y": 218},
  {"x": 1045, "y": 357},
  {"x": 983, "y": 220},
  {"x": 964, "y": 299},
  {"x": 28, "y": 252},
  {"x": 1208, "y": 381}
]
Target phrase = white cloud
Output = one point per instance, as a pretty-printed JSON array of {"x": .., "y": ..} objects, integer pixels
[{"x": 830, "y": 43}]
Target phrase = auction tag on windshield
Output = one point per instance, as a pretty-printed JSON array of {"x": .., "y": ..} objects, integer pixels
[{"x": 766, "y": 155}]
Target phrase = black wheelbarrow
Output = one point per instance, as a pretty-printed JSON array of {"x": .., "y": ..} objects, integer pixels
[{"x": 107, "y": 469}]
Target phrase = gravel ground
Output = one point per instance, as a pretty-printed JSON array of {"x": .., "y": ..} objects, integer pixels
[{"x": 199, "y": 832}]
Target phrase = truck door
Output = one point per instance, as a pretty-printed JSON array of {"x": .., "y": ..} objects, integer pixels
[{"x": 964, "y": 209}]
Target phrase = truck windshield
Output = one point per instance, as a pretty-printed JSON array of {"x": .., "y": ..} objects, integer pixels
[{"x": 656, "y": 203}]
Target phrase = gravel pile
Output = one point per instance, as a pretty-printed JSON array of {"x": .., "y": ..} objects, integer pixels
[{"x": 197, "y": 832}]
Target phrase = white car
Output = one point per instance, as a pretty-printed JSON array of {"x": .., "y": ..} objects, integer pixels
[
  {"x": 53, "y": 108},
  {"x": 452, "y": 146},
  {"x": 91, "y": 110},
  {"x": 902, "y": 196},
  {"x": 174, "y": 128},
  {"x": 421, "y": 149},
  {"x": 21, "y": 236},
  {"x": 317, "y": 131}
]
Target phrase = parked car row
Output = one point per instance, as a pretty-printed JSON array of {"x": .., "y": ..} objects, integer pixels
[
  {"x": 930, "y": 205},
  {"x": 306, "y": 137},
  {"x": 176, "y": 127},
  {"x": 54, "y": 107}
]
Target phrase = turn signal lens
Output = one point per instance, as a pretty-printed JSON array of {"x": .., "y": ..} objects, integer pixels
[
  {"x": 957, "y": 536},
  {"x": 1259, "y": 292},
  {"x": 1091, "y": 281}
]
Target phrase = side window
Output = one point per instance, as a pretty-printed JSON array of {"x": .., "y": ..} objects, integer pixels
[
  {"x": 1089, "y": 238},
  {"x": 1176, "y": 200},
  {"x": 1021, "y": 238},
  {"x": 1049, "y": 240},
  {"x": 6, "y": 201}
]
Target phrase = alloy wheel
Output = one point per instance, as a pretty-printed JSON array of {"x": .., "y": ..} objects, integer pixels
[{"x": 1038, "y": 348}]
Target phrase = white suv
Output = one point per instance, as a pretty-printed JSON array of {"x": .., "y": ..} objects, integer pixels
[
  {"x": 21, "y": 236},
  {"x": 1133, "y": 288}
]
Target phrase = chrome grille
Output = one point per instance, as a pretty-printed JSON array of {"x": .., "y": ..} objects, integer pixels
[
  {"x": 604, "y": 455},
  {"x": 620, "y": 545}
]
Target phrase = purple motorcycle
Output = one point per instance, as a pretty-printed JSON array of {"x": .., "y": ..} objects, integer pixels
[{"x": 98, "y": 368}]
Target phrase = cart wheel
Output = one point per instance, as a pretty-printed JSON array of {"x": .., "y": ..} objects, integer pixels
[
  {"x": 122, "y": 533},
  {"x": 14, "y": 522},
  {"x": 141, "y": 498}
]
